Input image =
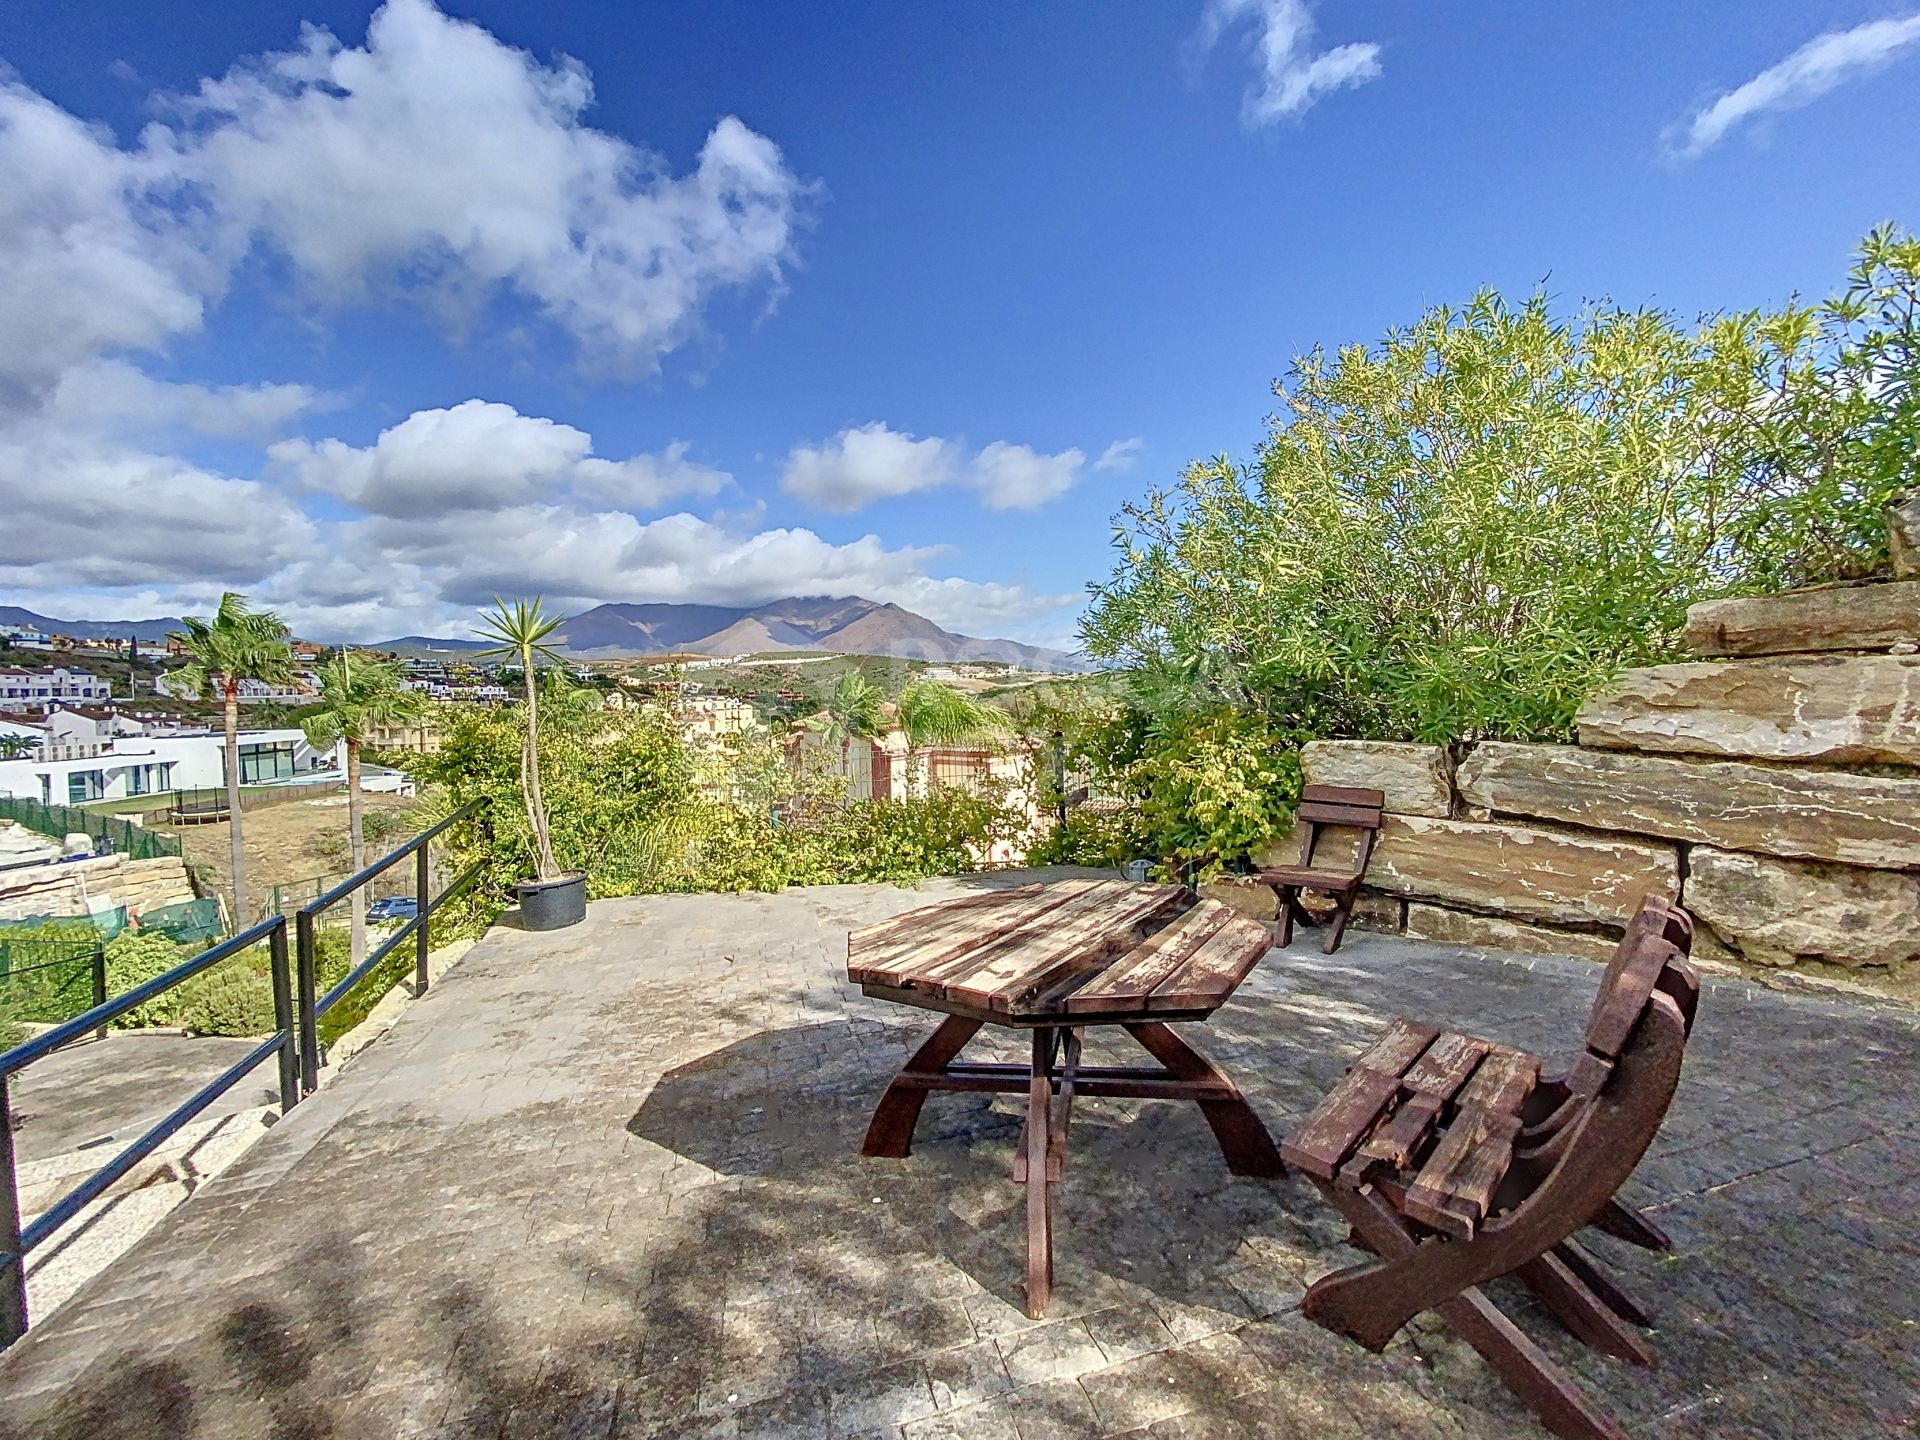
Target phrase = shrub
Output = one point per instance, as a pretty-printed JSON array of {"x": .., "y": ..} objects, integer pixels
[
  {"x": 230, "y": 999},
  {"x": 135, "y": 957}
]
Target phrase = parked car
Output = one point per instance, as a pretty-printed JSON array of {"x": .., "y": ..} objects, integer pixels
[{"x": 394, "y": 907}]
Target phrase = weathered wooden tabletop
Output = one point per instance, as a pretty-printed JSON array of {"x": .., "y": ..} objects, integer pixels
[{"x": 1073, "y": 952}]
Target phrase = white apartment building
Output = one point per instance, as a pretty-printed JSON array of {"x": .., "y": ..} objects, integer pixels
[
  {"x": 125, "y": 766},
  {"x": 44, "y": 689}
]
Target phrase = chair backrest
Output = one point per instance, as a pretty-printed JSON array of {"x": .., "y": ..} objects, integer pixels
[
  {"x": 1651, "y": 961},
  {"x": 1658, "y": 939},
  {"x": 1339, "y": 807}
]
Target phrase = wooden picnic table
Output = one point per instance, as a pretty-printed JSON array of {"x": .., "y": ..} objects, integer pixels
[{"x": 1054, "y": 959}]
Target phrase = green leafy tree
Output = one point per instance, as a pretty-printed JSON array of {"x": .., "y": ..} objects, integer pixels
[
  {"x": 235, "y": 645},
  {"x": 521, "y": 629},
  {"x": 359, "y": 698},
  {"x": 1461, "y": 531},
  {"x": 12, "y": 747}
]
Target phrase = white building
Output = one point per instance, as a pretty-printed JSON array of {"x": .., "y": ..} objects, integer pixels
[
  {"x": 115, "y": 769},
  {"x": 43, "y": 689}
]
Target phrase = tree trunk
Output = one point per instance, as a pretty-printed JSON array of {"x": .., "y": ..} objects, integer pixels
[
  {"x": 242, "y": 916},
  {"x": 357, "y": 850},
  {"x": 544, "y": 865}
]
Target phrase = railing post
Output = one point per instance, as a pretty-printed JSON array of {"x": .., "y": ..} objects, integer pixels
[
  {"x": 420, "y": 883},
  {"x": 13, "y": 1286},
  {"x": 309, "y": 1028},
  {"x": 283, "y": 1020},
  {"x": 1060, "y": 777},
  {"x": 100, "y": 984}
]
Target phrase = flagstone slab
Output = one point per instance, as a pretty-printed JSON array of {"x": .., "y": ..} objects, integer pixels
[
  {"x": 1828, "y": 617},
  {"x": 1799, "y": 812},
  {"x": 1829, "y": 710}
]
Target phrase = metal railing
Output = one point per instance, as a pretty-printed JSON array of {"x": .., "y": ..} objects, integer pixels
[
  {"x": 313, "y": 1006},
  {"x": 59, "y": 821},
  {"x": 17, "y": 1241},
  {"x": 297, "y": 1010}
]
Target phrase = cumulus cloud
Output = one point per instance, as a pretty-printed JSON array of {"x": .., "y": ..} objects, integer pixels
[
  {"x": 867, "y": 463},
  {"x": 1016, "y": 477},
  {"x": 873, "y": 462},
  {"x": 375, "y": 573},
  {"x": 80, "y": 511},
  {"x": 1120, "y": 455},
  {"x": 1820, "y": 65},
  {"x": 430, "y": 165},
  {"x": 434, "y": 163},
  {"x": 1292, "y": 76},
  {"x": 483, "y": 456}
]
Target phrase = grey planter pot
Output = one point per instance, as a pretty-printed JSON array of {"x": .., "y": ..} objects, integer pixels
[{"x": 553, "y": 904}]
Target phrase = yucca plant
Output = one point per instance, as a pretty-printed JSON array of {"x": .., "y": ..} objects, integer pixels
[{"x": 521, "y": 629}]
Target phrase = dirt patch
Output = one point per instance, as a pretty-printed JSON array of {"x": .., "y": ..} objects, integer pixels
[{"x": 285, "y": 846}]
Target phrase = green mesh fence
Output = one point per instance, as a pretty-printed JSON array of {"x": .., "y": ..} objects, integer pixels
[
  {"x": 47, "y": 964},
  {"x": 60, "y": 821}
]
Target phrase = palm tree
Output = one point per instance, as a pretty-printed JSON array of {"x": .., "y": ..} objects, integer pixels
[
  {"x": 12, "y": 747},
  {"x": 853, "y": 712},
  {"x": 358, "y": 697},
  {"x": 235, "y": 646},
  {"x": 934, "y": 714},
  {"x": 521, "y": 628}
]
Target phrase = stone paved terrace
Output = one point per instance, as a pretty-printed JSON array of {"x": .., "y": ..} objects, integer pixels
[{"x": 605, "y": 1183}]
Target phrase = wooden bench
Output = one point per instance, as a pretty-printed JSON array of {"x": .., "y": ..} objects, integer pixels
[
  {"x": 1456, "y": 1163},
  {"x": 1324, "y": 808}
]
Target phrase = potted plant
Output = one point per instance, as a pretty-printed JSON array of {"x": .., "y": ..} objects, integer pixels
[{"x": 553, "y": 898}]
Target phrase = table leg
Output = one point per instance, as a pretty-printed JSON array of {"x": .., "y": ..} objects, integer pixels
[
  {"x": 1243, "y": 1139},
  {"x": 1039, "y": 1188},
  {"x": 890, "y": 1134}
]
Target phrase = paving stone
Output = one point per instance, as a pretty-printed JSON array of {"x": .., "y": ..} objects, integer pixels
[
  {"x": 1058, "y": 1350},
  {"x": 607, "y": 1161}
]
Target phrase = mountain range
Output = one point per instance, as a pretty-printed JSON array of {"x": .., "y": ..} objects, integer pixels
[{"x": 845, "y": 625}]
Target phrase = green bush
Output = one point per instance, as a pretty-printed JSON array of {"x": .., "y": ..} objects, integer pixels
[
  {"x": 135, "y": 957},
  {"x": 1462, "y": 531},
  {"x": 230, "y": 999},
  {"x": 641, "y": 812}
]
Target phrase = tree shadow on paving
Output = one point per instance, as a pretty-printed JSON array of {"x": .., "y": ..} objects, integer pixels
[{"x": 1147, "y": 1201}]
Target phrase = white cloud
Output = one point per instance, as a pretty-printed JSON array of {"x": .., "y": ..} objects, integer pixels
[
  {"x": 1292, "y": 76},
  {"x": 1824, "y": 62},
  {"x": 115, "y": 397},
  {"x": 434, "y": 163},
  {"x": 1015, "y": 477},
  {"x": 1120, "y": 455},
  {"x": 872, "y": 462},
  {"x": 372, "y": 575},
  {"x": 81, "y": 511},
  {"x": 867, "y": 463},
  {"x": 483, "y": 456}
]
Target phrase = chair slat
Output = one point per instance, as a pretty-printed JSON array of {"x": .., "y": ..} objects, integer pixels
[
  {"x": 1345, "y": 795},
  {"x": 1455, "y": 1187},
  {"x": 1338, "y": 1122},
  {"x": 1405, "y": 1042},
  {"x": 1502, "y": 1081},
  {"x": 1445, "y": 1065},
  {"x": 1354, "y": 817}
]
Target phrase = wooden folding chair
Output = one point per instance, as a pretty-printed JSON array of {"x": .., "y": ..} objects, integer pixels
[
  {"x": 1324, "y": 808},
  {"x": 1456, "y": 1163}
]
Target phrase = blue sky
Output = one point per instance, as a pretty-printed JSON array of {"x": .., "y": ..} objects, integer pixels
[{"x": 723, "y": 301}]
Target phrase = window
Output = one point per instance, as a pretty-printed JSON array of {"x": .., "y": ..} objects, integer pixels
[
  {"x": 85, "y": 785},
  {"x": 140, "y": 780},
  {"x": 260, "y": 763}
]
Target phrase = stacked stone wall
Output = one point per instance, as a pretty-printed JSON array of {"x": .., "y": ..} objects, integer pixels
[
  {"x": 74, "y": 887},
  {"x": 1771, "y": 783}
]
